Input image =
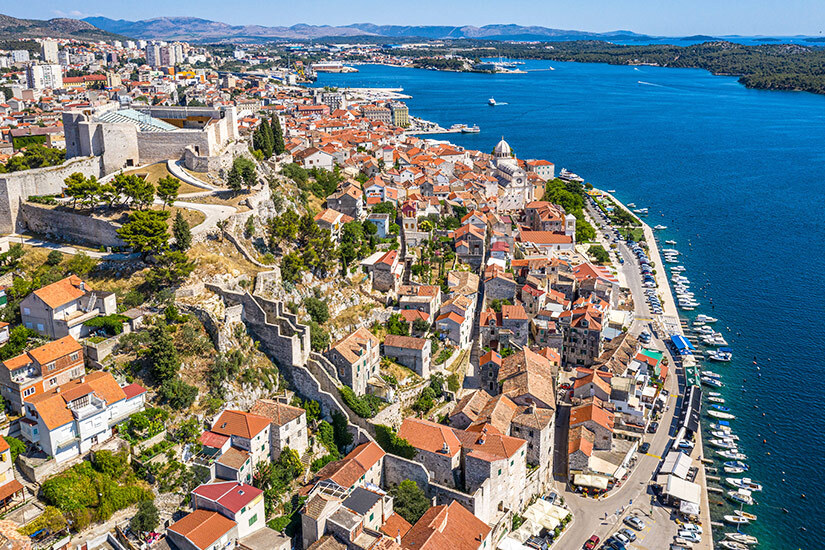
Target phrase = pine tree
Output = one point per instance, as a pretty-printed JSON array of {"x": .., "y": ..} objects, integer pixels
[
  {"x": 181, "y": 232},
  {"x": 235, "y": 179},
  {"x": 278, "y": 146},
  {"x": 269, "y": 139}
]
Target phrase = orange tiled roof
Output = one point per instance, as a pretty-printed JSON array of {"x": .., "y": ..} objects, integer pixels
[
  {"x": 239, "y": 423},
  {"x": 61, "y": 292},
  {"x": 203, "y": 528}
]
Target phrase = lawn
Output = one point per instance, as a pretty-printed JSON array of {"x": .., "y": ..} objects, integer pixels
[{"x": 158, "y": 170}]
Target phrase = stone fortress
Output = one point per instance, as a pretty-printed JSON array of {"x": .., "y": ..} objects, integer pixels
[{"x": 102, "y": 140}]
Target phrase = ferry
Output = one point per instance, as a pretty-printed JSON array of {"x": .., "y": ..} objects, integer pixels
[
  {"x": 474, "y": 129},
  {"x": 491, "y": 102},
  {"x": 744, "y": 483}
]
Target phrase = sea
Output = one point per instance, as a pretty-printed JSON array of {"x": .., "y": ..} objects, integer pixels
[{"x": 738, "y": 177}]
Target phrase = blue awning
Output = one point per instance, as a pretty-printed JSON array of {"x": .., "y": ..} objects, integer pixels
[{"x": 681, "y": 343}]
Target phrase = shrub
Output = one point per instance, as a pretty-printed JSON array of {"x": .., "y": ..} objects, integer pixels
[
  {"x": 388, "y": 439},
  {"x": 362, "y": 406},
  {"x": 112, "y": 324}
]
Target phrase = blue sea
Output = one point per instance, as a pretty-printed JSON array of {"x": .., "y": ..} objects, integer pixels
[{"x": 738, "y": 176}]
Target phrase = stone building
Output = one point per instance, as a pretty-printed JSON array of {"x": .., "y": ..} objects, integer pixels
[
  {"x": 413, "y": 353},
  {"x": 288, "y": 426},
  {"x": 356, "y": 359}
]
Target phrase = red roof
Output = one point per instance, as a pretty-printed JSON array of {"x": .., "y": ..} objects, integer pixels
[
  {"x": 133, "y": 390},
  {"x": 213, "y": 440},
  {"x": 230, "y": 494}
]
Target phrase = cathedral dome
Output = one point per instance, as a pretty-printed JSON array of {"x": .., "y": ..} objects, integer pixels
[{"x": 502, "y": 149}]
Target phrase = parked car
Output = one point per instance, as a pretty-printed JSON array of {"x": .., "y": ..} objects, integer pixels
[
  {"x": 652, "y": 427},
  {"x": 591, "y": 543},
  {"x": 631, "y": 536},
  {"x": 624, "y": 539},
  {"x": 644, "y": 447},
  {"x": 692, "y": 527},
  {"x": 634, "y": 522},
  {"x": 689, "y": 535}
]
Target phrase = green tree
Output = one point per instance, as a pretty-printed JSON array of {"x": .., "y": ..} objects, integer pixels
[
  {"x": 10, "y": 259},
  {"x": 181, "y": 232},
  {"x": 246, "y": 168},
  {"x": 409, "y": 501},
  {"x": 172, "y": 267},
  {"x": 425, "y": 401},
  {"x": 292, "y": 265},
  {"x": 278, "y": 146},
  {"x": 178, "y": 393},
  {"x": 343, "y": 437},
  {"x": 146, "y": 231},
  {"x": 235, "y": 179},
  {"x": 137, "y": 191},
  {"x": 164, "y": 362},
  {"x": 397, "y": 325},
  {"x": 83, "y": 189},
  {"x": 146, "y": 518},
  {"x": 81, "y": 264},
  {"x": 318, "y": 337},
  {"x": 167, "y": 190},
  {"x": 16, "y": 446},
  {"x": 317, "y": 309},
  {"x": 54, "y": 258}
]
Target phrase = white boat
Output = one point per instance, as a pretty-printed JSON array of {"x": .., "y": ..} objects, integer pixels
[
  {"x": 660, "y": 227},
  {"x": 705, "y": 330},
  {"x": 746, "y": 515},
  {"x": 744, "y": 483},
  {"x": 711, "y": 374},
  {"x": 734, "y": 470},
  {"x": 733, "y": 455},
  {"x": 722, "y": 434},
  {"x": 671, "y": 251},
  {"x": 706, "y": 318},
  {"x": 714, "y": 394},
  {"x": 742, "y": 538},
  {"x": 474, "y": 129},
  {"x": 731, "y": 545},
  {"x": 716, "y": 400},
  {"x": 711, "y": 382},
  {"x": 723, "y": 356},
  {"x": 723, "y": 443},
  {"x": 491, "y": 102},
  {"x": 673, "y": 243},
  {"x": 721, "y": 415},
  {"x": 570, "y": 176},
  {"x": 737, "y": 520},
  {"x": 611, "y": 191},
  {"x": 742, "y": 495},
  {"x": 631, "y": 204},
  {"x": 641, "y": 211},
  {"x": 677, "y": 268}
]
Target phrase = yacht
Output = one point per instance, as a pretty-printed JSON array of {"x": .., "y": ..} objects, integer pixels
[
  {"x": 611, "y": 191},
  {"x": 706, "y": 318},
  {"x": 711, "y": 374},
  {"x": 737, "y": 464},
  {"x": 725, "y": 434},
  {"x": 714, "y": 394},
  {"x": 742, "y": 538},
  {"x": 723, "y": 444},
  {"x": 745, "y": 515},
  {"x": 670, "y": 251},
  {"x": 491, "y": 102},
  {"x": 570, "y": 176},
  {"x": 660, "y": 227},
  {"x": 733, "y": 455},
  {"x": 723, "y": 416},
  {"x": 744, "y": 483},
  {"x": 743, "y": 496},
  {"x": 711, "y": 382},
  {"x": 722, "y": 356},
  {"x": 734, "y": 470}
]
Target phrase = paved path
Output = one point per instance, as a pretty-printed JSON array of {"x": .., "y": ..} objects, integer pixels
[{"x": 177, "y": 170}]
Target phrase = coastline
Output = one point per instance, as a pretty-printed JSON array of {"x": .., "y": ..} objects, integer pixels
[{"x": 671, "y": 325}]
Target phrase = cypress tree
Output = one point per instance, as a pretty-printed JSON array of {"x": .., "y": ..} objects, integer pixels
[
  {"x": 182, "y": 233},
  {"x": 278, "y": 145}
]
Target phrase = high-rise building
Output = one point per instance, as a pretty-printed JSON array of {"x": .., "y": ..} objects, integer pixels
[
  {"x": 48, "y": 51},
  {"x": 153, "y": 55},
  {"x": 40, "y": 77},
  {"x": 111, "y": 58},
  {"x": 130, "y": 45},
  {"x": 20, "y": 56},
  {"x": 64, "y": 58}
]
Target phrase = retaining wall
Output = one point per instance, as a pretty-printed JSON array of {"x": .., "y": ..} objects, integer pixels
[{"x": 62, "y": 225}]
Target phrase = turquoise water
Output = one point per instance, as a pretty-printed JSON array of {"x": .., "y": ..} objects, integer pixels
[{"x": 737, "y": 176}]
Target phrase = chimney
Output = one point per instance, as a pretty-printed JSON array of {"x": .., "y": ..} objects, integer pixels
[
  {"x": 445, "y": 448},
  {"x": 82, "y": 285},
  {"x": 398, "y": 537}
]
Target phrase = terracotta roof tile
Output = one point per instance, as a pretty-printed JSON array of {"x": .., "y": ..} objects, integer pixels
[
  {"x": 203, "y": 528},
  {"x": 278, "y": 413},
  {"x": 240, "y": 424},
  {"x": 61, "y": 292}
]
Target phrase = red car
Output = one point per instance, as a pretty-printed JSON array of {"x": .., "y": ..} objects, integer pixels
[{"x": 591, "y": 543}]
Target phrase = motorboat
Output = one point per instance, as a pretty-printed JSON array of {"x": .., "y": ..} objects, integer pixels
[
  {"x": 677, "y": 268},
  {"x": 570, "y": 176},
  {"x": 711, "y": 374},
  {"x": 744, "y": 483},
  {"x": 742, "y": 538},
  {"x": 706, "y": 318},
  {"x": 733, "y": 455},
  {"x": 722, "y": 415},
  {"x": 491, "y": 102},
  {"x": 733, "y": 470},
  {"x": 737, "y": 464},
  {"x": 742, "y": 495},
  {"x": 719, "y": 355},
  {"x": 716, "y": 400},
  {"x": 711, "y": 382},
  {"x": 704, "y": 330},
  {"x": 731, "y": 545},
  {"x": 672, "y": 243},
  {"x": 737, "y": 520},
  {"x": 723, "y": 443},
  {"x": 722, "y": 434},
  {"x": 714, "y": 394},
  {"x": 630, "y": 204},
  {"x": 660, "y": 227},
  {"x": 670, "y": 251},
  {"x": 747, "y": 515},
  {"x": 720, "y": 408}
]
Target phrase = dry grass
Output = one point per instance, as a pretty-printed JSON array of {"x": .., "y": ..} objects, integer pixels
[
  {"x": 118, "y": 282},
  {"x": 192, "y": 217},
  {"x": 353, "y": 315},
  {"x": 156, "y": 171},
  {"x": 224, "y": 198},
  {"x": 220, "y": 257},
  {"x": 402, "y": 374}
]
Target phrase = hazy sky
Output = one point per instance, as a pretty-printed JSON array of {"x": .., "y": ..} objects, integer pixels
[{"x": 658, "y": 17}]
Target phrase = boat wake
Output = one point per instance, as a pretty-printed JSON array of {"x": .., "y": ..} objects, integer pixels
[{"x": 651, "y": 84}]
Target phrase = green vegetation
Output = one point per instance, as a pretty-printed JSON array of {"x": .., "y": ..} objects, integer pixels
[
  {"x": 365, "y": 406},
  {"x": 445, "y": 354},
  {"x": 146, "y": 231},
  {"x": 242, "y": 174},
  {"x": 112, "y": 324},
  {"x": 388, "y": 439},
  {"x": 16, "y": 447},
  {"x": 143, "y": 425},
  {"x": 598, "y": 253},
  {"x": 570, "y": 196},
  {"x": 409, "y": 500},
  {"x": 92, "y": 491},
  {"x": 167, "y": 190},
  {"x": 146, "y": 518},
  {"x": 397, "y": 325},
  {"x": 51, "y": 520},
  {"x": 275, "y": 478},
  {"x": 495, "y": 305},
  {"x": 19, "y": 338},
  {"x": 35, "y": 156}
]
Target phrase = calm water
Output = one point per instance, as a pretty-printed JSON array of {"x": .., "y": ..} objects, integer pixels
[{"x": 737, "y": 176}]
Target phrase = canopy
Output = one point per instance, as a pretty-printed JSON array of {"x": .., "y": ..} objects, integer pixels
[
  {"x": 676, "y": 463},
  {"x": 682, "y": 345},
  {"x": 689, "y": 508},
  {"x": 510, "y": 543},
  {"x": 682, "y": 490},
  {"x": 691, "y": 409},
  {"x": 594, "y": 481}
]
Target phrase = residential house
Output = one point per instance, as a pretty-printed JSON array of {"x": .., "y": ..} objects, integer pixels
[
  {"x": 597, "y": 419},
  {"x": 203, "y": 530},
  {"x": 469, "y": 244},
  {"x": 355, "y": 520},
  {"x": 424, "y": 298},
  {"x": 348, "y": 200},
  {"x": 489, "y": 365},
  {"x": 413, "y": 353},
  {"x": 332, "y": 221},
  {"x": 382, "y": 223},
  {"x": 387, "y": 272},
  {"x": 288, "y": 426},
  {"x": 582, "y": 335},
  {"x": 314, "y": 158},
  {"x": 70, "y": 419},
  {"x": 40, "y": 370},
  {"x": 499, "y": 285},
  {"x": 61, "y": 308},
  {"x": 514, "y": 319},
  {"x": 533, "y": 299},
  {"x": 546, "y": 242},
  {"x": 363, "y": 466},
  {"x": 527, "y": 378},
  {"x": 240, "y": 502},
  {"x": 456, "y": 328},
  {"x": 357, "y": 359},
  {"x": 594, "y": 384},
  {"x": 248, "y": 432},
  {"x": 4, "y": 331},
  {"x": 448, "y": 527},
  {"x": 10, "y": 488}
]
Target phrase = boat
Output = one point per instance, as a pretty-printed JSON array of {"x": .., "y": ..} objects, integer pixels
[
  {"x": 672, "y": 243},
  {"x": 747, "y": 515},
  {"x": 641, "y": 211},
  {"x": 742, "y": 495},
  {"x": 742, "y": 538},
  {"x": 722, "y": 415},
  {"x": 474, "y": 129},
  {"x": 714, "y": 394},
  {"x": 570, "y": 176},
  {"x": 631, "y": 205},
  {"x": 671, "y": 251},
  {"x": 731, "y": 545},
  {"x": 737, "y": 520},
  {"x": 723, "y": 443},
  {"x": 722, "y": 356},
  {"x": 733, "y": 455},
  {"x": 491, "y": 102},
  {"x": 706, "y": 318},
  {"x": 711, "y": 374},
  {"x": 722, "y": 434},
  {"x": 720, "y": 408},
  {"x": 716, "y": 399},
  {"x": 744, "y": 483},
  {"x": 737, "y": 464},
  {"x": 733, "y": 470},
  {"x": 711, "y": 382},
  {"x": 660, "y": 227}
]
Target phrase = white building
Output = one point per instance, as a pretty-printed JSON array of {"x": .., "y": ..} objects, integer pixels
[
  {"x": 70, "y": 419},
  {"x": 39, "y": 77},
  {"x": 48, "y": 51}
]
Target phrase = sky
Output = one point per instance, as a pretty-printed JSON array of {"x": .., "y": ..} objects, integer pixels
[{"x": 655, "y": 17}]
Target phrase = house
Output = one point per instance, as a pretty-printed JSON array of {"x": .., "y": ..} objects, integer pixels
[
  {"x": 240, "y": 502},
  {"x": 288, "y": 426},
  {"x": 582, "y": 335},
  {"x": 498, "y": 285},
  {"x": 9, "y": 487},
  {"x": 382, "y": 222},
  {"x": 357, "y": 359},
  {"x": 235, "y": 464},
  {"x": 456, "y": 328},
  {"x": 387, "y": 272},
  {"x": 542, "y": 168},
  {"x": 332, "y": 221},
  {"x": 348, "y": 199},
  {"x": 547, "y": 241},
  {"x": 533, "y": 299},
  {"x": 40, "y": 370},
  {"x": 413, "y": 353},
  {"x": 356, "y": 520},
  {"x": 424, "y": 298},
  {"x": 597, "y": 419},
  {"x": 314, "y": 158},
  {"x": 593, "y": 384},
  {"x": 527, "y": 378},
  {"x": 61, "y": 308},
  {"x": 514, "y": 319},
  {"x": 69, "y": 419},
  {"x": 448, "y": 527},
  {"x": 248, "y": 432},
  {"x": 4, "y": 332},
  {"x": 469, "y": 244},
  {"x": 363, "y": 465},
  {"x": 489, "y": 365},
  {"x": 203, "y": 530}
]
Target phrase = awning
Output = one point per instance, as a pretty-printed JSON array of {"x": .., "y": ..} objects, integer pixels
[
  {"x": 682, "y": 345},
  {"x": 593, "y": 481},
  {"x": 676, "y": 463},
  {"x": 10, "y": 489},
  {"x": 691, "y": 409},
  {"x": 689, "y": 508},
  {"x": 509, "y": 543},
  {"x": 682, "y": 490}
]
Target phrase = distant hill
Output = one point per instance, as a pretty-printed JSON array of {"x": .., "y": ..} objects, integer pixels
[
  {"x": 204, "y": 30},
  {"x": 12, "y": 28}
]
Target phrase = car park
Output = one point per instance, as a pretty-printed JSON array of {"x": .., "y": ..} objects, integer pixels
[
  {"x": 591, "y": 543},
  {"x": 634, "y": 522}
]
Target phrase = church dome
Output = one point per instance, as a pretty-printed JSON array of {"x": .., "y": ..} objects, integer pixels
[{"x": 503, "y": 149}]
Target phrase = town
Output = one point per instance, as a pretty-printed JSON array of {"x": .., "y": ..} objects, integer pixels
[{"x": 243, "y": 312}]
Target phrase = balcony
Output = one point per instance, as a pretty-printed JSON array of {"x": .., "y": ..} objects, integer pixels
[{"x": 93, "y": 407}]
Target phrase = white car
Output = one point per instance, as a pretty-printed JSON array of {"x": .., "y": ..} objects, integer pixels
[
  {"x": 622, "y": 537},
  {"x": 689, "y": 535},
  {"x": 691, "y": 526}
]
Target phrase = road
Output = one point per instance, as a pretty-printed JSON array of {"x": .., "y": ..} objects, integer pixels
[{"x": 604, "y": 517}]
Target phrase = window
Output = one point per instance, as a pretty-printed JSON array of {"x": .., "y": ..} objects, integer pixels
[
  {"x": 50, "y": 366},
  {"x": 499, "y": 471},
  {"x": 74, "y": 357},
  {"x": 28, "y": 391},
  {"x": 27, "y": 311},
  {"x": 52, "y": 381},
  {"x": 40, "y": 327},
  {"x": 253, "y": 519}
]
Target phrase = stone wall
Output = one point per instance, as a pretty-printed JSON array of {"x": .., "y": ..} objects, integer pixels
[
  {"x": 66, "y": 226},
  {"x": 18, "y": 186}
]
